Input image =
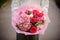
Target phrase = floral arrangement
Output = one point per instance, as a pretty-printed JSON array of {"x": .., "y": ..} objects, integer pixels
[{"x": 29, "y": 19}]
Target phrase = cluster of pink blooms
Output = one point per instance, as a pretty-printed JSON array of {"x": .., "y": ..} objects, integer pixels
[{"x": 30, "y": 21}]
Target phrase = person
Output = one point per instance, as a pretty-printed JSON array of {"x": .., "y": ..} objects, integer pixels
[{"x": 15, "y": 5}]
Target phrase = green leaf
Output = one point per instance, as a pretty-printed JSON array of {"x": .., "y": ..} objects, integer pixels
[{"x": 37, "y": 24}]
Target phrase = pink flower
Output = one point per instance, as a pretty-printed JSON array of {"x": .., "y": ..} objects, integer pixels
[
  {"x": 33, "y": 29},
  {"x": 24, "y": 27},
  {"x": 23, "y": 22}
]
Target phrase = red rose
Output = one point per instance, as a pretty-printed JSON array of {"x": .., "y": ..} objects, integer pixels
[
  {"x": 33, "y": 20},
  {"x": 35, "y": 12},
  {"x": 33, "y": 29},
  {"x": 40, "y": 15}
]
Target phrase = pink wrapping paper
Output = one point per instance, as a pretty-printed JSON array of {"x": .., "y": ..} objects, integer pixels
[{"x": 23, "y": 8}]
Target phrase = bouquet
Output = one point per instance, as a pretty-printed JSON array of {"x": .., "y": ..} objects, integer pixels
[{"x": 30, "y": 19}]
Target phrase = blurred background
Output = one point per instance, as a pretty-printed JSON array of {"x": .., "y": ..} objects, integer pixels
[{"x": 8, "y": 33}]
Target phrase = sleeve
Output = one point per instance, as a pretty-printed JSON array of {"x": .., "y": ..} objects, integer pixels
[
  {"x": 14, "y": 5},
  {"x": 45, "y": 5}
]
